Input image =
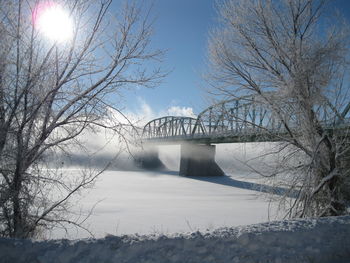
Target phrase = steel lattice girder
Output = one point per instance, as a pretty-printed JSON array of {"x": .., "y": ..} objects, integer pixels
[{"x": 252, "y": 117}]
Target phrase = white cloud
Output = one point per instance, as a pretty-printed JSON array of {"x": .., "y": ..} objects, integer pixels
[
  {"x": 138, "y": 117},
  {"x": 144, "y": 113},
  {"x": 181, "y": 111}
]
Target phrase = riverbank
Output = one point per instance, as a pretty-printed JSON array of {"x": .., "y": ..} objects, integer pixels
[{"x": 324, "y": 240}]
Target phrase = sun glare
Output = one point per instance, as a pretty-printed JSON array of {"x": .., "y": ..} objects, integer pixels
[{"x": 53, "y": 21}]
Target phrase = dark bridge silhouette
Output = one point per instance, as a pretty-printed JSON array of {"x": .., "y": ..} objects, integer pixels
[{"x": 244, "y": 119}]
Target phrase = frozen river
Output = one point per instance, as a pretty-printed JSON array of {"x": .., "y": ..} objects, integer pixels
[{"x": 147, "y": 202}]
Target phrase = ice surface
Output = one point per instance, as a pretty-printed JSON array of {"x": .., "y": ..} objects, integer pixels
[{"x": 163, "y": 202}]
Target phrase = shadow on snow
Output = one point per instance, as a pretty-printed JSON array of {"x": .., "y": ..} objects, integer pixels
[{"x": 228, "y": 181}]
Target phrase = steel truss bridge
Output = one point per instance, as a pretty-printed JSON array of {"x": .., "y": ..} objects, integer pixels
[{"x": 244, "y": 119}]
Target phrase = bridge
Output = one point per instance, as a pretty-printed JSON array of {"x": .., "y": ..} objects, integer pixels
[{"x": 243, "y": 119}]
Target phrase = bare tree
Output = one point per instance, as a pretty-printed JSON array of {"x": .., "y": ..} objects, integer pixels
[
  {"x": 292, "y": 58},
  {"x": 52, "y": 91}
]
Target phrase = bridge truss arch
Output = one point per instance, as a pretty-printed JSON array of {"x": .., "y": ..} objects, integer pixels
[
  {"x": 245, "y": 119},
  {"x": 169, "y": 127}
]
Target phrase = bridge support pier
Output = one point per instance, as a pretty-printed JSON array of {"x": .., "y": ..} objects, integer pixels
[
  {"x": 199, "y": 160},
  {"x": 148, "y": 158}
]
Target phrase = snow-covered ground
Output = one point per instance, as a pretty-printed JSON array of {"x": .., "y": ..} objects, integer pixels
[
  {"x": 309, "y": 240},
  {"x": 145, "y": 202}
]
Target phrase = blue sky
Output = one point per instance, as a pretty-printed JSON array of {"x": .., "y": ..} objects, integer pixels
[{"x": 182, "y": 28}]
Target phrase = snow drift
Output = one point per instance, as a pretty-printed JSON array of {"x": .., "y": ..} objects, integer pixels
[{"x": 306, "y": 240}]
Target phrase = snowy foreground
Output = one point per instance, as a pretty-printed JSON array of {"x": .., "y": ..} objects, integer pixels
[{"x": 322, "y": 240}]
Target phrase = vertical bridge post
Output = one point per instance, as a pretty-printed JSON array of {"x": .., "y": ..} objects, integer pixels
[
  {"x": 199, "y": 160},
  {"x": 148, "y": 158}
]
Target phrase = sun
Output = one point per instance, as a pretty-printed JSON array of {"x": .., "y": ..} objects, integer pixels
[{"x": 53, "y": 21}]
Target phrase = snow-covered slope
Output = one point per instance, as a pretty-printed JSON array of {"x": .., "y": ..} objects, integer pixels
[{"x": 311, "y": 240}]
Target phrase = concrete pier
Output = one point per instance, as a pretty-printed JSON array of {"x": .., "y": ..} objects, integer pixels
[
  {"x": 199, "y": 160},
  {"x": 148, "y": 158}
]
